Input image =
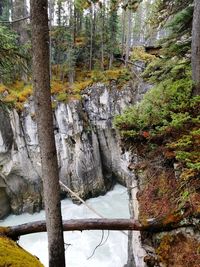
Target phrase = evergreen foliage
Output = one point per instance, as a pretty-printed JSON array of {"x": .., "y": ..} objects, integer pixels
[
  {"x": 13, "y": 58},
  {"x": 168, "y": 111},
  {"x": 5, "y": 10},
  {"x": 175, "y": 16}
]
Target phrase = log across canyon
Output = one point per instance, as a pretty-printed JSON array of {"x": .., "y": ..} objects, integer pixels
[{"x": 93, "y": 224}]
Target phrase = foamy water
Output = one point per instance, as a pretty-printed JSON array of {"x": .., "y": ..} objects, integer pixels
[{"x": 82, "y": 244}]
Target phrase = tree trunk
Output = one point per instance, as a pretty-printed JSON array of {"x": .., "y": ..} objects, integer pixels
[
  {"x": 123, "y": 31},
  {"x": 1, "y": 8},
  {"x": 95, "y": 224},
  {"x": 128, "y": 38},
  {"x": 196, "y": 48},
  {"x": 50, "y": 39},
  {"x": 74, "y": 25},
  {"x": 91, "y": 36},
  {"x": 44, "y": 119},
  {"x": 102, "y": 34},
  {"x": 19, "y": 10}
]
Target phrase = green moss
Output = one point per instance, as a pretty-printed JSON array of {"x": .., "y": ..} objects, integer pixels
[
  {"x": 62, "y": 97},
  {"x": 139, "y": 53},
  {"x": 13, "y": 255}
]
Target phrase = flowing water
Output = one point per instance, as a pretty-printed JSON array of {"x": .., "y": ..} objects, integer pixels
[{"x": 81, "y": 245}]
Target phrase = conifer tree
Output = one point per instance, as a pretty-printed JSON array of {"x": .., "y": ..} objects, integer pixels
[
  {"x": 44, "y": 119},
  {"x": 196, "y": 48}
]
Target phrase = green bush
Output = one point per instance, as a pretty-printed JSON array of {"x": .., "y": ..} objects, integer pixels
[
  {"x": 161, "y": 107},
  {"x": 62, "y": 97},
  {"x": 167, "y": 113}
]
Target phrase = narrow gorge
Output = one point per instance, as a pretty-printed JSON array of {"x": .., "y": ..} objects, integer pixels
[
  {"x": 90, "y": 157},
  {"x": 117, "y": 83}
]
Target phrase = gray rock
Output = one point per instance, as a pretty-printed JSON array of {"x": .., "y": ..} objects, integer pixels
[{"x": 88, "y": 146}]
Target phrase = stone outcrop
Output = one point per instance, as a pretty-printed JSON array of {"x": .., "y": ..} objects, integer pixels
[{"x": 89, "y": 153}]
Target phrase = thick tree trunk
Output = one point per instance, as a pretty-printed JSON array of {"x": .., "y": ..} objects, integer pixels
[
  {"x": 93, "y": 224},
  {"x": 196, "y": 48},
  {"x": 44, "y": 119},
  {"x": 19, "y": 10}
]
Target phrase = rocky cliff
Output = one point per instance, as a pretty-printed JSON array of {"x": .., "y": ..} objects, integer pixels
[{"x": 89, "y": 153}]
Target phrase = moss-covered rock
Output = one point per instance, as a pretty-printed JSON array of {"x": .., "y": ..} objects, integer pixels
[
  {"x": 179, "y": 250},
  {"x": 13, "y": 255}
]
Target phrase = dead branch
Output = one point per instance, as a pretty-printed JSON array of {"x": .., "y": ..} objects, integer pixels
[
  {"x": 131, "y": 63},
  {"x": 83, "y": 202},
  {"x": 14, "y": 21}
]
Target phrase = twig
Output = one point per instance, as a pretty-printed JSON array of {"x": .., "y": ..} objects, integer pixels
[
  {"x": 100, "y": 243},
  {"x": 14, "y": 21},
  {"x": 82, "y": 201},
  {"x": 131, "y": 63}
]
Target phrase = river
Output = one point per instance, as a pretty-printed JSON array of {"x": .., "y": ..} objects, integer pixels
[{"x": 80, "y": 246}]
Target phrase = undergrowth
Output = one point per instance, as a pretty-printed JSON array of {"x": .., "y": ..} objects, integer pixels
[
  {"x": 16, "y": 94},
  {"x": 168, "y": 115}
]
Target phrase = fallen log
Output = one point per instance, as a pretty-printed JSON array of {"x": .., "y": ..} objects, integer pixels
[{"x": 92, "y": 224}]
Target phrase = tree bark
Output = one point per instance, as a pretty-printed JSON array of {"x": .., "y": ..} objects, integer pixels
[
  {"x": 123, "y": 31},
  {"x": 93, "y": 224},
  {"x": 44, "y": 119},
  {"x": 128, "y": 37},
  {"x": 196, "y": 48},
  {"x": 102, "y": 34},
  {"x": 91, "y": 36},
  {"x": 1, "y": 8},
  {"x": 19, "y": 10}
]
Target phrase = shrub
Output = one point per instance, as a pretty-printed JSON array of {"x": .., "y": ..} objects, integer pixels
[
  {"x": 62, "y": 97},
  {"x": 167, "y": 113}
]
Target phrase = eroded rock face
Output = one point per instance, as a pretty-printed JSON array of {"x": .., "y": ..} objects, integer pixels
[
  {"x": 89, "y": 153},
  {"x": 20, "y": 185}
]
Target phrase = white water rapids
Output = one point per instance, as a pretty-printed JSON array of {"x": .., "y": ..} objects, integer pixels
[{"x": 82, "y": 244}]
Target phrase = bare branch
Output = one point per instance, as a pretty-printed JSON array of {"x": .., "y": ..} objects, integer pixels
[{"x": 14, "y": 21}]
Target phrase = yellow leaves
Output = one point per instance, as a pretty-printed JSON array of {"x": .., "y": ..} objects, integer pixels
[
  {"x": 9, "y": 99},
  {"x": 120, "y": 75},
  {"x": 3, "y": 88},
  {"x": 77, "y": 87},
  {"x": 16, "y": 94},
  {"x": 24, "y": 94},
  {"x": 58, "y": 87},
  {"x": 139, "y": 53},
  {"x": 65, "y": 92},
  {"x": 17, "y": 85},
  {"x": 187, "y": 174},
  {"x": 113, "y": 74},
  {"x": 19, "y": 106},
  {"x": 80, "y": 41}
]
